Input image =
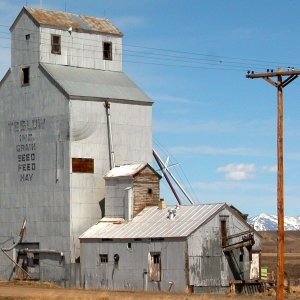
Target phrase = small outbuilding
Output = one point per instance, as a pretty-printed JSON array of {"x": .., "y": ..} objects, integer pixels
[
  {"x": 129, "y": 189},
  {"x": 195, "y": 248}
]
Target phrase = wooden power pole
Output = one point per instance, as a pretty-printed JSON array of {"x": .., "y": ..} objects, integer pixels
[{"x": 280, "y": 84}]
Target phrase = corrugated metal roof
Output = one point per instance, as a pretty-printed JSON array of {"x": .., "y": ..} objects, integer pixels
[
  {"x": 153, "y": 222},
  {"x": 83, "y": 82},
  {"x": 125, "y": 171},
  {"x": 64, "y": 19}
]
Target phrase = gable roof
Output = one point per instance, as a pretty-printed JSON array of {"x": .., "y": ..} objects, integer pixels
[
  {"x": 153, "y": 222},
  {"x": 66, "y": 20},
  {"x": 128, "y": 171},
  {"x": 80, "y": 83}
]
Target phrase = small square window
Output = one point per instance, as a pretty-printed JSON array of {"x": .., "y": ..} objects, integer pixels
[
  {"x": 150, "y": 191},
  {"x": 103, "y": 258},
  {"x": 55, "y": 44},
  {"x": 27, "y": 37},
  {"x": 25, "y": 76},
  {"x": 107, "y": 51}
]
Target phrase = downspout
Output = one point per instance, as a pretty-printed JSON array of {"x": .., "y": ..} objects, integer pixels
[
  {"x": 19, "y": 239},
  {"x": 110, "y": 137}
]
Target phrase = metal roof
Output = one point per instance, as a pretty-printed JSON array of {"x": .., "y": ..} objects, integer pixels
[
  {"x": 125, "y": 171},
  {"x": 83, "y": 82},
  {"x": 67, "y": 20},
  {"x": 153, "y": 222}
]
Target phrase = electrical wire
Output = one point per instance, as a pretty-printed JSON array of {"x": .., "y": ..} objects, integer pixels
[
  {"x": 217, "y": 57},
  {"x": 164, "y": 54}
]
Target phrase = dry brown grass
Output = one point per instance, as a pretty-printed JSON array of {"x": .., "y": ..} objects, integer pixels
[{"x": 34, "y": 290}]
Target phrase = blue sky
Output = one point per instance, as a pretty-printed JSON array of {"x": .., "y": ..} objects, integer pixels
[{"x": 191, "y": 58}]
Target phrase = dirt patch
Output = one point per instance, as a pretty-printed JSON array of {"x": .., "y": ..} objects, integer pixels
[{"x": 16, "y": 290}]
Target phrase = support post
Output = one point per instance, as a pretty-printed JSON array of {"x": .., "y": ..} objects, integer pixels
[{"x": 280, "y": 84}]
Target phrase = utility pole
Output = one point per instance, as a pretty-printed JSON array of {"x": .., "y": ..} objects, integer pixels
[{"x": 280, "y": 84}]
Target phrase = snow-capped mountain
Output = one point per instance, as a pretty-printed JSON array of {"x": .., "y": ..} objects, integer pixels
[{"x": 264, "y": 222}]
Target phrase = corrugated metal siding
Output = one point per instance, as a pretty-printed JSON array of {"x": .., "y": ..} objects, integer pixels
[
  {"x": 153, "y": 223},
  {"x": 129, "y": 275},
  {"x": 209, "y": 265},
  {"x": 81, "y": 82},
  {"x": 80, "y": 49},
  {"x": 64, "y": 19}
]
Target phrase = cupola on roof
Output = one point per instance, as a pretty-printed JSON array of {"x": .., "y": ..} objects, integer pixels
[{"x": 67, "y": 20}]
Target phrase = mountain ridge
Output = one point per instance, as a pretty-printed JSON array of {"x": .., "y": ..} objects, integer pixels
[{"x": 265, "y": 222}]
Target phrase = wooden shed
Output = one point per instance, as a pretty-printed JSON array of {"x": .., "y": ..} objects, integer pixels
[{"x": 129, "y": 189}]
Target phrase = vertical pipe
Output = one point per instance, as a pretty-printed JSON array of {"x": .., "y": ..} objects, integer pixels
[
  {"x": 280, "y": 192},
  {"x": 111, "y": 145}
]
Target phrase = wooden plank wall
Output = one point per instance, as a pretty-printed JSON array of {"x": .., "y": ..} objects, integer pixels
[{"x": 143, "y": 182}]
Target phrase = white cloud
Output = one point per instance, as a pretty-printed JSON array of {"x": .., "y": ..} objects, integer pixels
[
  {"x": 238, "y": 171},
  {"x": 126, "y": 22},
  {"x": 270, "y": 169}
]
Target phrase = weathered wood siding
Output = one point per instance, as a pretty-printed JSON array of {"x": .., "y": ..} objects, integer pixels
[{"x": 143, "y": 182}]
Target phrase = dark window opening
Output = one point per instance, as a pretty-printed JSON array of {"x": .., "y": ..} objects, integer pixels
[
  {"x": 154, "y": 265},
  {"x": 25, "y": 76},
  {"x": 241, "y": 258},
  {"x": 156, "y": 258},
  {"x": 103, "y": 258},
  {"x": 116, "y": 260},
  {"x": 129, "y": 246},
  {"x": 27, "y": 37},
  {"x": 223, "y": 233},
  {"x": 55, "y": 44},
  {"x": 150, "y": 191},
  {"x": 107, "y": 51},
  {"x": 36, "y": 259},
  {"x": 82, "y": 165}
]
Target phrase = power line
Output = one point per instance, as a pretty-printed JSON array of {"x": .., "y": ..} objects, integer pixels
[{"x": 237, "y": 62}]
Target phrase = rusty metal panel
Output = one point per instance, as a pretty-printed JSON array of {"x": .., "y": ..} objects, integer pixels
[
  {"x": 102, "y": 25},
  {"x": 82, "y": 165},
  {"x": 64, "y": 19}
]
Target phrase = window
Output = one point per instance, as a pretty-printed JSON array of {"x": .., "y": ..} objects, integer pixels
[
  {"x": 55, "y": 44},
  {"x": 223, "y": 233},
  {"x": 149, "y": 191},
  {"x": 25, "y": 76},
  {"x": 82, "y": 165},
  {"x": 154, "y": 264},
  {"x": 107, "y": 51},
  {"x": 27, "y": 37},
  {"x": 103, "y": 258}
]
